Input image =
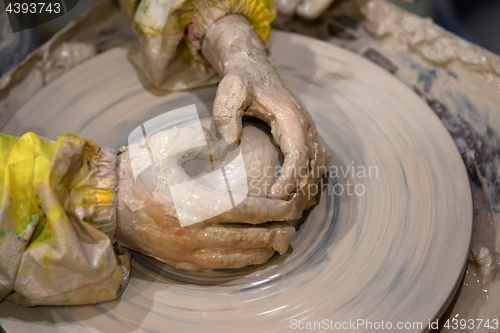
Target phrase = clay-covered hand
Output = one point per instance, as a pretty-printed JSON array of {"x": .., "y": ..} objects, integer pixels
[
  {"x": 307, "y": 9},
  {"x": 149, "y": 216},
  {"x": 251, "y": 86}
]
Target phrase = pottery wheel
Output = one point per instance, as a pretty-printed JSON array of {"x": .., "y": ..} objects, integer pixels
[{"x": 393, "y": 251}]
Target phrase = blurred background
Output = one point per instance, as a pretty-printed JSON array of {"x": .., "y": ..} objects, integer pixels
[{"x": 475, "y": 20}]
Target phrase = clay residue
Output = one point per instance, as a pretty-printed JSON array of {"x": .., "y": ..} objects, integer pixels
[{"x": 422, "y": 36}]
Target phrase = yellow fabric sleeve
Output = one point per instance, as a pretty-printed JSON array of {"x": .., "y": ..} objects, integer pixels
[
  {"x": 171, "y": 32},
  {"x": 57, "y": 203}
]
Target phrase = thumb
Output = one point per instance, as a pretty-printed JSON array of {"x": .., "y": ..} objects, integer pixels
[{"x": 231, "y": 100}]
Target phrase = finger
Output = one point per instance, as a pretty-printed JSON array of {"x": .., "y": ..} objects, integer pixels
[
  {"x": 235, "y": 237},
  {"x": 291, "y": 130},
  {"x": 294, "y": 169},
  {"x": 312, "y": 9},
  {"x": 287, "y": 7},
  {"x": 298, "y": 144},
  {"x": 232, "y": 99},
  {"x": 219, "y": 259},
  {"x": 255, "y": 210}
]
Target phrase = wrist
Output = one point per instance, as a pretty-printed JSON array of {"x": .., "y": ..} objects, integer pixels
[{"x": 231, "y": 45}]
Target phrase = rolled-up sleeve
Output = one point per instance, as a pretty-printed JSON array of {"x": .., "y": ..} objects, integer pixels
[
  {"x": 57, "y": 222},
  {"x": 170, "y": 34}
]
